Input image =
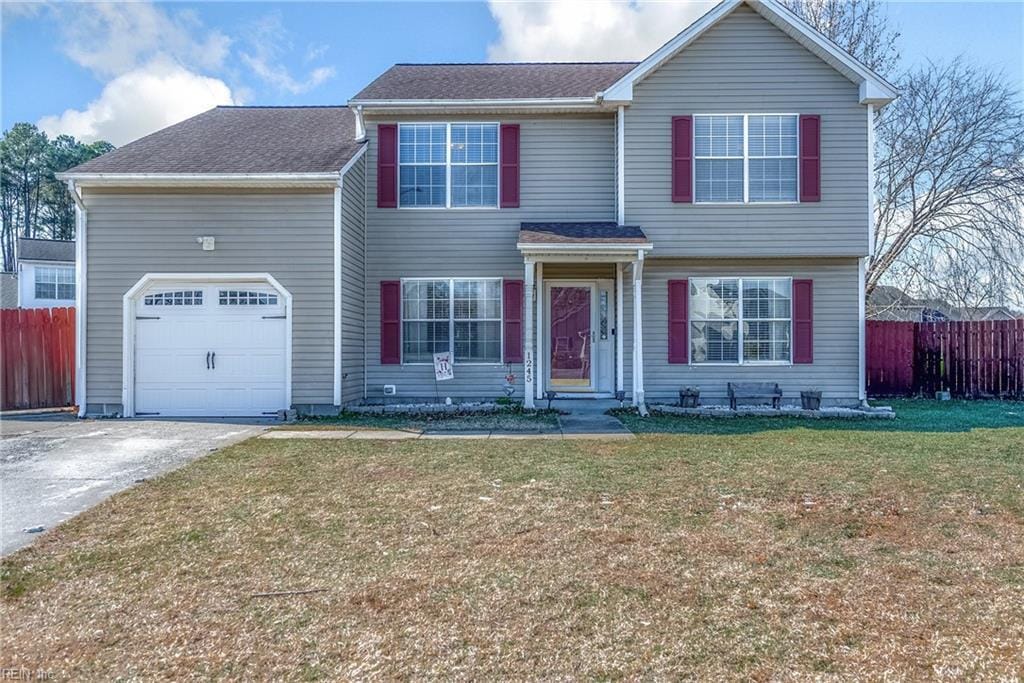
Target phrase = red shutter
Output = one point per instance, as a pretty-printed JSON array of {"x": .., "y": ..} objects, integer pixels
[
  {"x": 810, "y": 158},
  {"x": 513, "y": 320},
  {"x": 803, "y": 321},
  {"x": 682, "y": 159},
  {"x": 678, "y": 321},
  {"x": 510, "y": 165},
  {"x": 390, "y": 322},
  {"x": 387, "y": 166}
]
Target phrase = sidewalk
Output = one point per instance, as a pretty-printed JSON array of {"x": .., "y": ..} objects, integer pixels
[{"x": 586, "y": 420}]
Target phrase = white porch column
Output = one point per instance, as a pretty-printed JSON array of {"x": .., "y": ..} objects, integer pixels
[
  {"x": 619, "y": 329},
  {"x": 638, "y": 334},
  {"x": 539, "y": 322},
  {"x": 528, "y": 355}
]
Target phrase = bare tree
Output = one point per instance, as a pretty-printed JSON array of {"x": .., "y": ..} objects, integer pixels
[
  {"x": 861, "y": 27},
  {"x": 950, "y": 186}
]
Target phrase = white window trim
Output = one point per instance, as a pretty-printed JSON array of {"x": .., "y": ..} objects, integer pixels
[
  {"x": 746, "y": 160},
  {"x": 451, "y": 318},
  {"x": 447, "y": 166},
  {"x": 57, "y": 270},
  {"x": 739, "y": 321}
]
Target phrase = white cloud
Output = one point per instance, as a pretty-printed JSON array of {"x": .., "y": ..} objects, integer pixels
[
  {"x": 111, "y": 39},
  {"x": 139, "y": 102},
  {"x": 587, "y": 30},
  {"x": 267, "y": 39}
]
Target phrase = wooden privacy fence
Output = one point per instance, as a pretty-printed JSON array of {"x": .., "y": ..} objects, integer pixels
[
  {"x": 969, "y": 359},
  {"x": 37, "y": 358}
]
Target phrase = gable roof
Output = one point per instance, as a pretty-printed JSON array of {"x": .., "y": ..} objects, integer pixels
[
  {"x": 487, "y": 82},
  {"x": 238, "y": 140},
  {"x": 31, "y": 249},
  {"x": 873, "y": 88}
]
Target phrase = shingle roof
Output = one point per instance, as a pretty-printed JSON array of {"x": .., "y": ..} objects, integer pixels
[
  {"x": 8, "y": 290},
  {"x": 240, "y": 140},
  {"x": 493, "y": 81},
  {"x": 30, "y": 249},
  {"x": 580, "y": 233}
]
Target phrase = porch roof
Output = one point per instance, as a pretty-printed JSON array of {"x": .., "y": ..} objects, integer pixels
[
  {"x": 581, "y": 233},
  {"x": 582, "y": 241}
]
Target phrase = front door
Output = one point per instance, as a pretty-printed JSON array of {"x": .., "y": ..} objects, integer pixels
[{"x": 579, "y": 341}]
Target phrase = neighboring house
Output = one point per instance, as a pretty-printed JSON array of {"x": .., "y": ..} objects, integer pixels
[
  {"x": 696, "y": 218},
  {"x": 891, "y": 303},
  {"x": 46, "y": 273},
  {"x": 8, "y": 290}
]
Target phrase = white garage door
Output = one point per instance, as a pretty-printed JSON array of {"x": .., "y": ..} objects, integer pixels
[{"x": 210, "y": 350}]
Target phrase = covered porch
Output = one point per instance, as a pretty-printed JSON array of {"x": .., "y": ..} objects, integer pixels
[{"x": 575, "y": 300}]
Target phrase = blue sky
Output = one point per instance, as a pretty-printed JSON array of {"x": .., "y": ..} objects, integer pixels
[{"x": 120, "y": 71}]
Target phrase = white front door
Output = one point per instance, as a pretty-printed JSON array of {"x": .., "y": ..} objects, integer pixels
[
  {"x": 210, "y": 350},
  {"x": 579, "y": 343}
]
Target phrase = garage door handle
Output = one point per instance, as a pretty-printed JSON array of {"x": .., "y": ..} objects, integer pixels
[
  {"x": 207, "y": 360},
  {"x": 213, "y": 360}
]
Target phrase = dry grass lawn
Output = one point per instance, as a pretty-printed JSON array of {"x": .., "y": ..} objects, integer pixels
[{"x": 777, "y": 550}]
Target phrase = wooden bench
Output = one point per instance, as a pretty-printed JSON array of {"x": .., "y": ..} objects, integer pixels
[{"x": 743, "y": 391}]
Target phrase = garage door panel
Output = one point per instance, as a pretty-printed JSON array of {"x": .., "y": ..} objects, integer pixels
[{"x": 245, "y": 344}]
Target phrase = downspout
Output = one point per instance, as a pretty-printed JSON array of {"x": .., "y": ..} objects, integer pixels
[
  {"x": 338, "y": 198},
  {"x": 81, "y": 221},
  {"x": 862, "y": 360}
]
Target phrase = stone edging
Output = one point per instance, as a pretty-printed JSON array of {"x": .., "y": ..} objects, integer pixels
[{"x": 881, "y": 413}]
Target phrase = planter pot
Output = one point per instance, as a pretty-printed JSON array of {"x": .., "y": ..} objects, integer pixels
[
  {"x": 689, "y": 398},
  {"x": 810, "y": 400}
]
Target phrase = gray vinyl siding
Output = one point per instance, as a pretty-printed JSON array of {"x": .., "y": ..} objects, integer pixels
[
  {"x": 836, "y": 329},
  {"x": 567, "y": 172},
  {"x": 353, "y": 280},
  {"x": 744, "y": 64},
  {"x": 288, "y": 235}
]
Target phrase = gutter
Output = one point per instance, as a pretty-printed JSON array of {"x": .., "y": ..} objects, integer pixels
[
  {"x": 81, "y": 272},
  {"x": 187, "y": 179}
]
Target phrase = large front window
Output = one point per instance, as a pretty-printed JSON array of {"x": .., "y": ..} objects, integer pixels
[
  {"x": 745, "y": 158},
  {"x": 55, "y": 283},
  {"x": 458, "y": 315},
  {"x": 448, "y": 165},
  {"x": 741, "y": 320}
]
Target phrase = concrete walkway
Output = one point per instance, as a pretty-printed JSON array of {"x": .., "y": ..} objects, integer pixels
[
  {"x": 586, "y": 419},
  {"x": 407, "y": 435}
]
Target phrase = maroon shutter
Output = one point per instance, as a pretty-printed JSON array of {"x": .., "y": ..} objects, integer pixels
[
  {"x": 510, "y": 165},
  {"x": 387, "y": 166},
  {"x": 810, "y": 158},
  {"x": 803, "y": 321},
  {"x": 678, "y": 321},
  {"x": 390, "y": 322},
  {"x": 682, "y": 159},
  {"x": 512, "y": 296}
]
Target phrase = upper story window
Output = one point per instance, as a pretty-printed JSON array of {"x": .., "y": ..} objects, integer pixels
[
  {"x": 448, "y": 165},
  {"x": 55, "y": 283},
  {"x": 745, "y": 158}
]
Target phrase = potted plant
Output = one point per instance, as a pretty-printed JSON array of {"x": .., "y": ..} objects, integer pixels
[
  {"x": 810, "y": 399},
  {"x": 689, "y": 397}
]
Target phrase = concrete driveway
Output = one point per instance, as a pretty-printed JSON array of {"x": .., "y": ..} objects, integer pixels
[{"x": 53, "y": 467}]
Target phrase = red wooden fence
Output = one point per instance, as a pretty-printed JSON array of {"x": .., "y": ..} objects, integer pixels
[
  {"x": 972, "y": 359},
  {"x": 37, "y": 357}
]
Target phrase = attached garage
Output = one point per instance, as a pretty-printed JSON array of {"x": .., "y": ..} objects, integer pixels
[{"x": 207, "y": 346}]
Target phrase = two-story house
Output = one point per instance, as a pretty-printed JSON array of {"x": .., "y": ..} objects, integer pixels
[{"x": 696, "y": 218}]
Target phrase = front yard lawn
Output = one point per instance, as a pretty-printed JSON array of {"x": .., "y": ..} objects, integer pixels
[{"x": 789, "y": 549}]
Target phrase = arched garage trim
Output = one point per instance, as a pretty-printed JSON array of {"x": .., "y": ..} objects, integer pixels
[{"x": 131, "y": 299}]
